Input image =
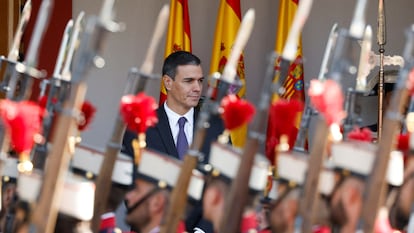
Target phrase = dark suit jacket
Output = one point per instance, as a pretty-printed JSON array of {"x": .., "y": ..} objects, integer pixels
[{"x": 159, "y": 137}]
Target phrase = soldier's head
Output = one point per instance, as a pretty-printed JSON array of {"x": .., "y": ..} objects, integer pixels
[
  {"x": 87, "y": 161},
  {"x": 401, "y": 208},
  {"x": 353, "y": 162},
  {"x": 9, "y": 178},
  {"x": 286, "y": 191},
  {"x": 147, "y": 202},
  {"x": 183, "y": 78},
  {"x": 223, "y": 165}
]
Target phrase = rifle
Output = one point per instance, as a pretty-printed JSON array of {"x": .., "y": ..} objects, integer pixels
[
  {"x": 392, "y": 122},
  {"x": 59, "y": 87},
  {"x": 177, "y": 200},
  {"x": 139, "y": 79},
  {"x": 96, "y": 30},
  {"x": 340, "y": 69},
  {"x": 40, "y": 150}
]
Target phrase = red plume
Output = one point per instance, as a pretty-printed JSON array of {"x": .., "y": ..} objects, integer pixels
[
  {"x": 328, "y": 99},
  {"x": 282, "y": 119},
  {"x": 88, "y": 112},
  {"x": 410, "y": 82},
  {"x": 358, "y": 134},
  {"x": 403, "y": 142},
  {"x": 23, "y": 121},
  {"x": 236, "y": 111},
  {"x": 403, "y": 145},
  {"x": 138, "y": 112}
]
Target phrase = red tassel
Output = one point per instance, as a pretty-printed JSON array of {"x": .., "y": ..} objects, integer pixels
[
  {"x": 403, "y": 142},
  {"x": 139, "y": 112},
  {"x": 358, "y": 134},
  {"x": 410, "y": 82},
  {"x": 328, "y": 99},
  {"x": 88, "y": 112},
  {"x": 23, "y": 121},
  {"x": 282, "y": 120},
  {"x": 236, "y": 111}
]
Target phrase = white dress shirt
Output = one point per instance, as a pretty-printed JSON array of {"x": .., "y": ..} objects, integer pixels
[{"x": 173, "y": 120}]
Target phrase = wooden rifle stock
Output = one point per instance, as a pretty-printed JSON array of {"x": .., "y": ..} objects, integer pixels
[
  {"x": 45, "y": 213},
  {"x": 309, "y": 203},
  {"x": 237, "y": 197},
  {"x": 104, "y": 180},
  {"x": 392, "y": 123}
]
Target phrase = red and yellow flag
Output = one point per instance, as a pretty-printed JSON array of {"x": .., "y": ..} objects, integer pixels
[
  {"x": 294, "y": 84},
  {"x": 227, "y": 26},
  {"x": 178, "y": 35}
]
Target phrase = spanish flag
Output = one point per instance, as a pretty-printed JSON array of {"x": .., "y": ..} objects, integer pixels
[
  {"x": 227, "y": 26},
  {"x": 294, "y": 84},
  {"x": 178, "y": 35}
]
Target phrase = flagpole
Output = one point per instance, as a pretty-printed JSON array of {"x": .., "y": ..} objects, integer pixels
[{"x": 381, "y": 40}]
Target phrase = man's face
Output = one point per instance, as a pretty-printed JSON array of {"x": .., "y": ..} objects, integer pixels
[
  {"x": 281, "y": 215},
  {"x": 140, "y": 216},
  {"x": 184, "y": 91}
]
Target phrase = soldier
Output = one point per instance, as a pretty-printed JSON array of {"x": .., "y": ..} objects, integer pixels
[
  {"x": 75, "y": 206},
  {"x": 8, "y": 194},
  {"x": 286, "y": 193},
  {"x": 86, "y": 162},
  {"x": 223, "y": 164},
  {"x": 402, "y": 208},
  {"x": 148, "y": 201},
  {"x": 354, "y": 162}
]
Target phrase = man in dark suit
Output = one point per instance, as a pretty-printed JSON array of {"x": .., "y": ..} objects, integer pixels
[{"x": 183, "y": 79}]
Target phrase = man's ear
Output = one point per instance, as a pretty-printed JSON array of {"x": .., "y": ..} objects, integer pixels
[{"x": 167, "y": 81}]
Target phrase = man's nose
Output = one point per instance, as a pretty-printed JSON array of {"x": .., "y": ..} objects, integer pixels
[{"x": 197, "y": 86}]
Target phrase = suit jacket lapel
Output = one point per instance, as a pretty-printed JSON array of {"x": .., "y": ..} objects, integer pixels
[{"x": 164, "y": 130}]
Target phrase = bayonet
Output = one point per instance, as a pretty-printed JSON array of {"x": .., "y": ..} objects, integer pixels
[
  {"x": 28, "y": 69},
  {"x": 333, "y": 34},
  {"x": 13, "y": 55}
]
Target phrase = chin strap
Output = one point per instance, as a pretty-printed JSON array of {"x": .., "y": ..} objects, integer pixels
[{"x": 143, "y": 199}]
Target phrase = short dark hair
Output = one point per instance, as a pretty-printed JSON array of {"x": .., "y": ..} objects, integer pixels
[{"x": 176, "y": 59}]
